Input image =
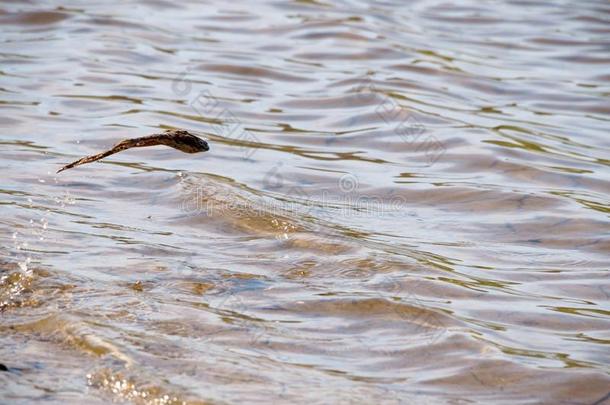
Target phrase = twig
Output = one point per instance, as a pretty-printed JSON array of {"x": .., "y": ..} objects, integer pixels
[{"x": 175, "y": 138}]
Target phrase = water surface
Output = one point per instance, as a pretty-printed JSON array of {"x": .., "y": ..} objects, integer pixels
[{"x": 404, "y": 202}]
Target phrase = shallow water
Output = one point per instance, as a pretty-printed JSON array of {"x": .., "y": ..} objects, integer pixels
[{"x": 402, "y": 203}]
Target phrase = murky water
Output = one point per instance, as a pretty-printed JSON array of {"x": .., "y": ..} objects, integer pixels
[{"x": 404, "y": 202}]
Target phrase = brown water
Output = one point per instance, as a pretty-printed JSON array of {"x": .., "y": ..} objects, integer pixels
[{"x": 402, "y": 203}]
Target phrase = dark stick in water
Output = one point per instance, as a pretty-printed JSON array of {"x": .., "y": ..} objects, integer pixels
[{"x": 175, "y": 138}]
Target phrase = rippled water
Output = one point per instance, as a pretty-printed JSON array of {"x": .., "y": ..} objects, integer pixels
[{"x": 404, "y": 202}]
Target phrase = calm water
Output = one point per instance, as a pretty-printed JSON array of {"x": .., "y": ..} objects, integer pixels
[{"x": 404, "y": 202}]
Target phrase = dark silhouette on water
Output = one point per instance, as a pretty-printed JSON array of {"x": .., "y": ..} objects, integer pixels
[{"x": 175, "y": 138}]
